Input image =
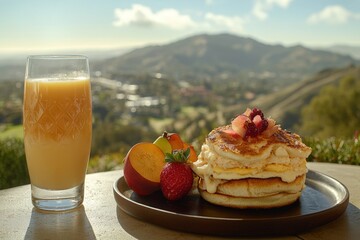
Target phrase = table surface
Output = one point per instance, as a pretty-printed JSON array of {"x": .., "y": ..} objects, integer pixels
[{"x": 100, "y": 217}]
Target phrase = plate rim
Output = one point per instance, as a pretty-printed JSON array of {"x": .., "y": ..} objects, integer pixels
[{"x": 339, "y": 207}]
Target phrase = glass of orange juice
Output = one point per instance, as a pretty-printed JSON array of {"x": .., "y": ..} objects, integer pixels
[{"x": 57, "y": 121}]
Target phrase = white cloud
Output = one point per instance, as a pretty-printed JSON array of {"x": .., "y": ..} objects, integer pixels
[
  {"x": 231, "y": 23},
  {"x": 209, "y": 2},
  {"x": 334, "y": 14},
  {"x": 262, "y": 7},
  {"x": 144, "y": 16}
]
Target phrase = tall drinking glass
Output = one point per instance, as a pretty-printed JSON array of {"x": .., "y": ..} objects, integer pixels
[{"x": 57, "y": 120}]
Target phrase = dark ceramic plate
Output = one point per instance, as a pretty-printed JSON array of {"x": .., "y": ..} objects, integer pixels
[{"x": 323, "y": 200}]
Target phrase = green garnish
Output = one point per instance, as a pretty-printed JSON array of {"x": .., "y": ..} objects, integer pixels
[{"x": 180, "y": 156}]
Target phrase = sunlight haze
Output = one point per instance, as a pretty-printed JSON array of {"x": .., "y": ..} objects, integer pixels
[{"x": 47, "y": 25}]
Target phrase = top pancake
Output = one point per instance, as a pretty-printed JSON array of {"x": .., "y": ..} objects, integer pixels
[{"x": 259, "y": 147}]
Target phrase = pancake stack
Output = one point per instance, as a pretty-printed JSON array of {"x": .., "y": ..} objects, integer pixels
[{"x": 263, "y": 171}]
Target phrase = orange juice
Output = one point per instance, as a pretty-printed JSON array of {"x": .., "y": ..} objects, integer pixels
[{"x": 57, "y": 131}]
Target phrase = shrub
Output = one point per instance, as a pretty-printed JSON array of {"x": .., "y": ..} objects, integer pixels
[
  {"x": 335, "y": 150},
  {"x": 13, "y": 168}
]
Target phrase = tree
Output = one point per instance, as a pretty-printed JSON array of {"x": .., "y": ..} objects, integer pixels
[{"x": 334, "y": 112}]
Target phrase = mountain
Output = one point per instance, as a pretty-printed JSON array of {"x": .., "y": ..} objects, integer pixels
[
  {"x": 353, "y": 51},
  {"x": 212, "y": 56},
  {"x": 216, "y": 57},
  {"x": 12, "y": 65}
]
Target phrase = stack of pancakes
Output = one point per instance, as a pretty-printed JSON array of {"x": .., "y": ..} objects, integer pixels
[{"x": 259, "y": 172}]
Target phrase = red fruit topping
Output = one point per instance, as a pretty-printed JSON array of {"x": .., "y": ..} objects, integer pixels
[
  {"x": 251, "y": 123},
  {"x": 247, "y": 112},
  {"x": 239, "y": 124},
  {"x": 232, "y": 133},
  {"x": 256, "y": 112},
  {"x": 251, "y": 130},
  {"x": 271, "y": 129},
  {"x": 257, "y": 120},
  {"x": 262, "y": 126}
]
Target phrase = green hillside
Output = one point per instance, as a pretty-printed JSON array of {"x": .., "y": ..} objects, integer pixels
[
  {"x": 12, "y": 132},
  {"x": 285, "y": 105}
]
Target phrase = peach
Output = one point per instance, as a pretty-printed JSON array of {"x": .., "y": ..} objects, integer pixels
[
  {"x": 142, "y": 168},
  {"x": 193, "y": 154},
  {"x": 239, "y": 124},
  {"x": 247, "y": 112},
  {"x": 175, "y": 141},
  {"x": 257, "y": 120},
  {"x": 232, "y": 133},
  {"x": 272, "y": 128}
]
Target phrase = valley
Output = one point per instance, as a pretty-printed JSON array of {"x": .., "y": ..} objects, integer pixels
[{"x": 191, "y": 86}]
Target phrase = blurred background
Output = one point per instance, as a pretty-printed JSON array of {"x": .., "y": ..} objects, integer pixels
[{"x": 190, "y": 66}]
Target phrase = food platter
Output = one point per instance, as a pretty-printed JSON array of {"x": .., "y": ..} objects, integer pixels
[{"x": 323, "y": 200}]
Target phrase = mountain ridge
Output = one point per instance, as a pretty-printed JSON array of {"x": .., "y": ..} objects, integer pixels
[
  {"x": 352, "y": 50},
  {"x": 209, "y": 56}
]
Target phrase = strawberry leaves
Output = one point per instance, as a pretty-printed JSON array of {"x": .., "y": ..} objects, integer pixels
[{"x": 180, "y": 156}]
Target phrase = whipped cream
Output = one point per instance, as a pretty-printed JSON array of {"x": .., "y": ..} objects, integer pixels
[{"x": 216, "y": 168}]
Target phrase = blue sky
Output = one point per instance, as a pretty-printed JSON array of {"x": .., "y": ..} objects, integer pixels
[{"x": 34, "y": 25}]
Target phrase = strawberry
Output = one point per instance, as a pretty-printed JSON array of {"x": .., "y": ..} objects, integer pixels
[{"x": 176, "y": 178}]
